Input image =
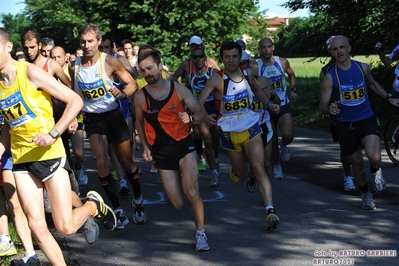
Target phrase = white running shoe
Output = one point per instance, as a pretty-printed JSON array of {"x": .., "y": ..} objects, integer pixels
[
  {"x": 349, "y": 184},
  {"x": 124, "y": 190},
  {"x": 215, "y": 180},
  {"x": 139, "y": 216},
  {"x": 121, "y": 219},
  {"x": 154, "y": 169},
  {"x": 7, "y": 249},
  {"x": 277, "y": 172},
  {"x": 367, "y": 200},
  {"x": 82, "y": 177},
  {"x": 379, "y": 181},
  {"x": 284, "y": 151},
  {"x": 202, "y": 243}
]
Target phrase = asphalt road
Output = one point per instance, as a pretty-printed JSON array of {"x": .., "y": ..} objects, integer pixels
[{"x": 320, "y": 222}]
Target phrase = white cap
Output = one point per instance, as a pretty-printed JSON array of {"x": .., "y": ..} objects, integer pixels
[
  {"x": 328, "y": 42},
  {"x": 195, "y": 40},
  {"x": 245, "y": 56}
]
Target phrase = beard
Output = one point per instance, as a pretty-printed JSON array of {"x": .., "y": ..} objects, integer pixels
[
  {"x": 150, "y": 80},
  {"x": 34, "y": 59}
]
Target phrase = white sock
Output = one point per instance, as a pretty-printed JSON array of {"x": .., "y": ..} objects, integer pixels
[
  {"x": 268, "y": 207},
  {"x": 138, "y": 201},
  {"x": 27, "y": 255},
  {"x": 200, "y": 232}
]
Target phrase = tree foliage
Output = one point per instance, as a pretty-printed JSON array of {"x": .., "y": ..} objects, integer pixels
[
  {"x": 15, "y": 25},
  {"x": 364, "y": 22},
  {"x": 167, "y": 25}
]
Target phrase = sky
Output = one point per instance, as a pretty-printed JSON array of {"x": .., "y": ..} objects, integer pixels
[{"x": 273, "y": 7}]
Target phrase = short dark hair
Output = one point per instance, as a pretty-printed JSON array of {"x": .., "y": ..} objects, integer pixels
[
  {"x": 29, "y": 35},
  {"x": 125, "y": 41},
  {"x": 108, "y": 37},
  {"x": 230, "y": 46},
  {"x": 156, "y": 56},
  {"x": 4, "y": 36}
]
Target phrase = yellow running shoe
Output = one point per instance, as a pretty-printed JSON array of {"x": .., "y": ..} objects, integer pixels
[{"x": 233, "y": 175}]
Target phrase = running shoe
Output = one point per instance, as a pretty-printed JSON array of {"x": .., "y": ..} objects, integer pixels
[
  {"x": 91, "y": 230},
  {"x": 379, "y": 181},
  {"x": 139, "y": 216},
  {"x": 202, "y": 243},
  {"x": 215, "y": 179},
  {"x": 202, "y": 166},
  {"x": 121, "y": 218},
  {"x": 31, "y": 261},
  {"x": 46, "y": 201},
  {"x": 104, "y": 213},
  {"x": 7, "y": 249},
  {"x": 82, "y": 177},
  {"x": 272, "y": 221},
  {"x": 154, "y": 169},
  {"x": 74, "y": 183},
  {"x": 250, "y": 183},
  {"x": 233, "y": 175},
  {"x": 217, "y": 164},
  {"x": 124, "y": 189},
  {"x": 367, "y": 200},
  {"x": 284, "y": 151},
  {"x": 277, "y": 172},
  {"x": 349, "y": 184},
  {"x": 115, "y": 176}
]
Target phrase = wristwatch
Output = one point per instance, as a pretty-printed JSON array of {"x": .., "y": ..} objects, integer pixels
[
  {"x": 389, "y": 96},
  {"x": 54, "y": 133}
]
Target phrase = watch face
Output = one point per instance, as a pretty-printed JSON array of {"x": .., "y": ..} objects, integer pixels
[{"x": 54, "y": 133}]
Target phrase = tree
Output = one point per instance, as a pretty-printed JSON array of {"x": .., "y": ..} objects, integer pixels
[
  {"x": 15, "y": 25},
  {"x": 364, "y": 22},
  {"x": 167, "y": 25}
]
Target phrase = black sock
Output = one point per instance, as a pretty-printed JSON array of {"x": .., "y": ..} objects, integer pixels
[
  {"x": 198, "y": 146},
  {"x": 364, "y": 188},
  {"x": 113, "y": 198},
  {"x": 134, "y": 181},
  {"x": 374, "y": 170}
]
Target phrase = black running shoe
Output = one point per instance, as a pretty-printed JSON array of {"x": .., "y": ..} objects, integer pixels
[
  {"x": 250, "y": 183},
  {"x": 104, "y": 213}
]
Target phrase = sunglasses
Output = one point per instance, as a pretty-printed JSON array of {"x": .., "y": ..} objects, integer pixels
[
  {"x": 197, "y": 56},
  {"x": 243, "y": 62}
]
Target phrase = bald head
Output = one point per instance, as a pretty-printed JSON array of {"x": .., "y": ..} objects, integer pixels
[
  {"x": 266, "y": 40},
  {"x": 340, "y": 50},
  {"x": 58, "y": 54},
  {"x": 266, "y": 48},
  {"x": 339, "y": 39}
]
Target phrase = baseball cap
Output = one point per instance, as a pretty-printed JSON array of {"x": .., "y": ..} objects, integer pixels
[
  {"x": 245, "y": 56},
  {"x": 241, "y": 42},
  {"x": 195, "y": 40},
  {"x": 328, "y": 42}
]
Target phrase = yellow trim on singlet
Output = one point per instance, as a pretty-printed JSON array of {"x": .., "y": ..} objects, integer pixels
[{"x": 141, "y": 83}]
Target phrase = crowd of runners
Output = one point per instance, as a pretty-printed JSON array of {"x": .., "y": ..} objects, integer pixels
[{"x": 113, "y": 94}]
